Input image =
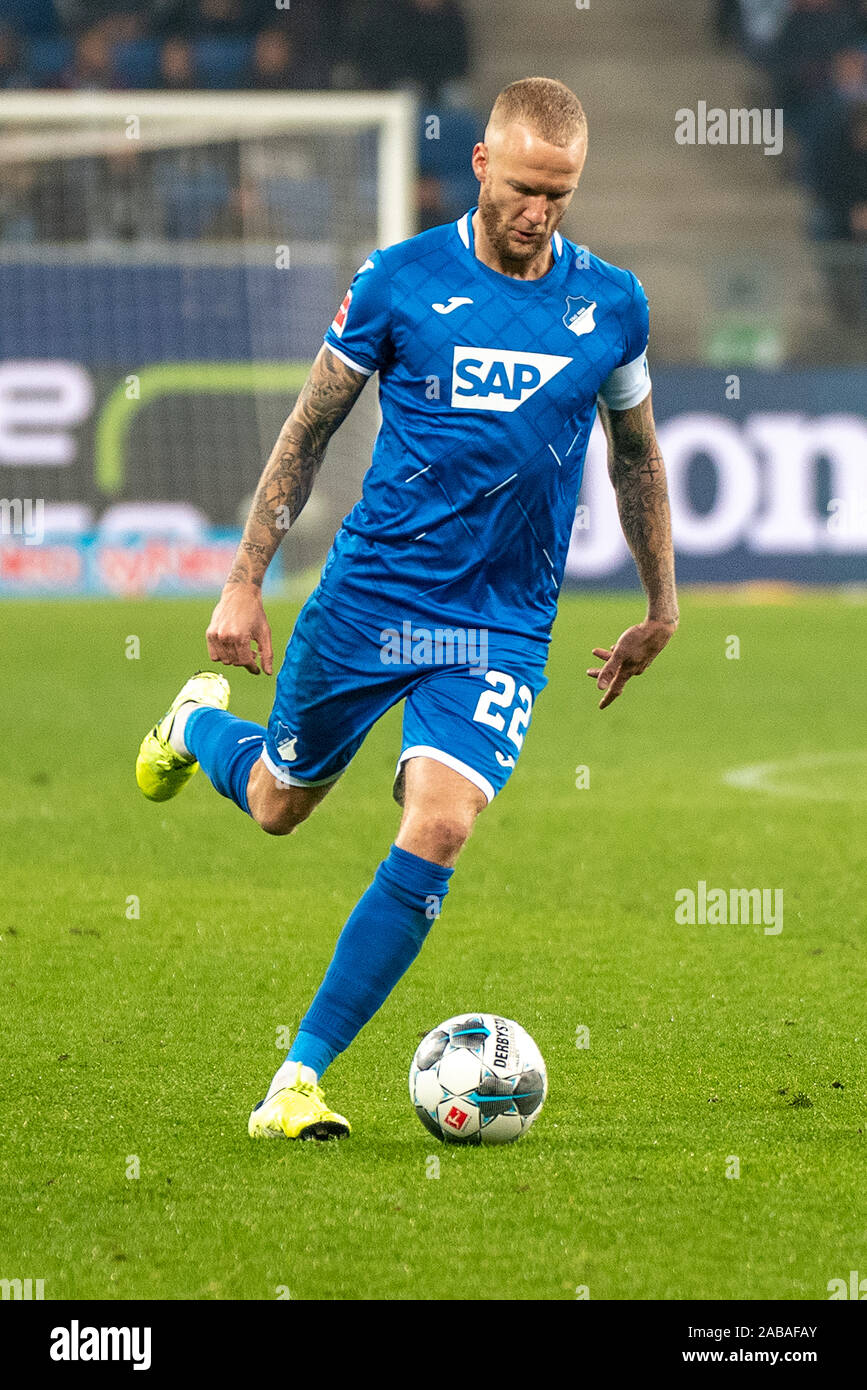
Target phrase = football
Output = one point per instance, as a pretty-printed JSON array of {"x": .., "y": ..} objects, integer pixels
[{"x": 477, "y": 1079}]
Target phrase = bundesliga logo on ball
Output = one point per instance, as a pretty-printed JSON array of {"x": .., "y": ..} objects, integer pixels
[{"x": 478, "y": 1079}]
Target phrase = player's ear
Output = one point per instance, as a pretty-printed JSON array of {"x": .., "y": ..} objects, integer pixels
[{"x": 480, "y": 160}]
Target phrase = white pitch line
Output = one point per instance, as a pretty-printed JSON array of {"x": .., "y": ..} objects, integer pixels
[
  {"x": 556, "y": 455},
  {"x": 419, "y": 473},
  {"x": 771, "y": 777}
]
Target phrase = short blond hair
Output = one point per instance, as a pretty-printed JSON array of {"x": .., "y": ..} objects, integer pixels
[{"x": 547, "y": 107}]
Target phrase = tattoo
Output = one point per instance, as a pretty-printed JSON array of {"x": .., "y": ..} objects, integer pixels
[
  {"x": 651, "y": 466},
  {"x": 326, "y": 398},
  {"x": 637, "y": 471}
]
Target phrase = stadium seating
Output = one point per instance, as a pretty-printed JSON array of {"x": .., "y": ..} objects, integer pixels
[
  {"x": 47, "y": 58},
  {"x": 304, "y": 204},
  {"x": 190, "y": 199},
  {"x": 36, "y": 18},
  {"x": 222, "y": 62},
  {"x": 138, "y": 63},
  {"x": 445, "y": 157}
]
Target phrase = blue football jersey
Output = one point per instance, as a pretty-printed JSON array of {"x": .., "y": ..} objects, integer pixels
[{"x": 488, "y": 388}]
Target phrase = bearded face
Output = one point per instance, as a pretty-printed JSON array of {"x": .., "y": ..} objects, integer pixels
[{"x": 526, "y": 187}]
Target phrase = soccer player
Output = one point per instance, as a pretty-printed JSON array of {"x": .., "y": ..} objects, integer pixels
[{"x": 494, "y": 338}]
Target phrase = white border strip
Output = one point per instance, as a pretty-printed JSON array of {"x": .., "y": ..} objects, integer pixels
[
  {"x": 422, "y": 751},
  {"x": 356, "y": 366},
  {"x": 288, "y": 780}
]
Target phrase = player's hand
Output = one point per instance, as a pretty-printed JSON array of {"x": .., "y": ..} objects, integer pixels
[
  {"x": 632, "y": 654},
  {"x": 236, "y": 623}
]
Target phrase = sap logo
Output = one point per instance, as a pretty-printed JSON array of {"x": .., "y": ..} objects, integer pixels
[{"x": 495, "y": 379}]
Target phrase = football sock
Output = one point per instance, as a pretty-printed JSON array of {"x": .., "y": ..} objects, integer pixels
[
  {"x": 285, "y": 1076},
  {"x": 226, "y": 748},
  {"x": 176, "y": 734},
  {"x": 384, "y": 934}
]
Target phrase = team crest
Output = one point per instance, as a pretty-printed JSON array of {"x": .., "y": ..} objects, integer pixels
[
  {"x": 578, "y": 317},
  {"x": 286, "y": 742}
]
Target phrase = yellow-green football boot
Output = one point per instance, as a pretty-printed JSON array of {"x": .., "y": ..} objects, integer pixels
[
  {"x": 297, "y": 1111},
  {"x": 159, "y": 770}
]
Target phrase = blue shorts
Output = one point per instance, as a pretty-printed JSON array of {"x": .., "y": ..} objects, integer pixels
[{"x": 467, "y": 705}]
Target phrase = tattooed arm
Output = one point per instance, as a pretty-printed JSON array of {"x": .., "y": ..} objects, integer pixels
[
  {"x": 238, "y": 620},
  {"x": 637, "y": 472}
]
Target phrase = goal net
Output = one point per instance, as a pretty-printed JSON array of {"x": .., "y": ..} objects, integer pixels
[{"x": 168, "y": 265}]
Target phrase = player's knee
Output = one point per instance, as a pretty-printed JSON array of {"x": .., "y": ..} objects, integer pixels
[
  {"x": 276, "y": 822},
  {"x": 279, "y": 815},
  {"x": 443, "y": 835},
  {"x": 278, "y": 809},
  {"x": 282, "y": 820}
]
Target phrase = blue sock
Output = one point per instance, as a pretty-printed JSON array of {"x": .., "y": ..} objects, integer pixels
[
  {"x": 384, "y": 934},
  {"x": 226, "y": 749}
]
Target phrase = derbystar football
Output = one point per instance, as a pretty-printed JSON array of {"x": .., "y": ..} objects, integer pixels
[{"x": 477, "y": 1079}]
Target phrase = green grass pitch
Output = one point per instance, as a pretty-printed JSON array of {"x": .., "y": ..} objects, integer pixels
[{"x": 139, "y": 1043}]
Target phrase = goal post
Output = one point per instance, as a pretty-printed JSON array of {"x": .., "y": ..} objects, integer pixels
[
  {"x": 51, "y": 125},
  {"x": 168, "y": 265}
]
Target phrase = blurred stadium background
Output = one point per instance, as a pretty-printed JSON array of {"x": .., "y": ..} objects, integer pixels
[{"x": 186, "y": 187}]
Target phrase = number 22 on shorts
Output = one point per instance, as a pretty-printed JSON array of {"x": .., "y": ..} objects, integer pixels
[{"x": 502, "y": 697}]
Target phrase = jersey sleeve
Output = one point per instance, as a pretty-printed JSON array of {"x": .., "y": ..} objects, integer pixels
[
  {"x": 360, "y": 334},
  {"x": 629, "y": 383}
]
